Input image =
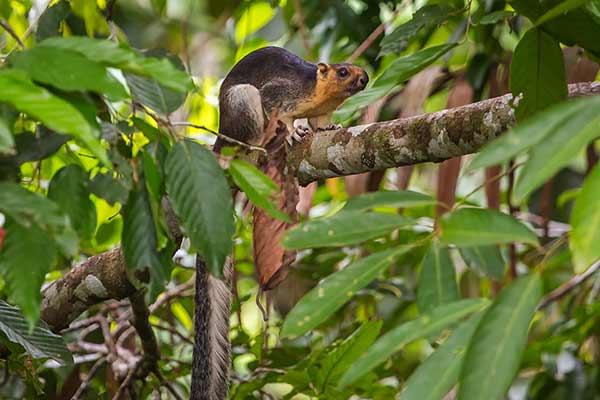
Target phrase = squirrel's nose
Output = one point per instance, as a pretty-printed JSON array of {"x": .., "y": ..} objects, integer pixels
[{"x": 363, "y": 80}]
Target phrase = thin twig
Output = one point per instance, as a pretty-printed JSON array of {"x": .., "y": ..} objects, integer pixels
[
  {"x": 88, "y": 379},
  {"x": 125, "y": 382},
  {"x": 571, "y": 284},
  {"x": 166, "y": 384},
  {"x": 220, "y": 135},
  {"x": 11, "y": 32},
  {"x": 366, "y": 43}
]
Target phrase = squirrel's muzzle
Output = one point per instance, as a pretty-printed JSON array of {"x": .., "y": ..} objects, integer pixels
[{"x": 360, "y": 82}]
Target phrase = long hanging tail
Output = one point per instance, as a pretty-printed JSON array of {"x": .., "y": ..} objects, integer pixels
[{"x": 211, "y": 358}]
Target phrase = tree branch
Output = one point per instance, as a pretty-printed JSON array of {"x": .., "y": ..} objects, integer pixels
[{"x": 431, "y": 137}]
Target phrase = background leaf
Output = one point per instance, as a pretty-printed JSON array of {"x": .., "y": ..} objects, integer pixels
[
  {"x": 7, "y": 143},
  {"x": 40, "y": 343},
  {"x": 494, "y": 352},
  {"x": 344, "y": 228},
  {"x": 200, "y": 196},
  {"x": 389, "y": 198},
  {"x": 437, "y": 280},
  {"x": 478, "y": 227},
  {"x": 484, "y": 259},
  {"x": 333, "y": 292}
]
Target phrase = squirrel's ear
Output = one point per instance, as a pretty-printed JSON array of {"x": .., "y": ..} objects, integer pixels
[{"x": 323, "y": 68}]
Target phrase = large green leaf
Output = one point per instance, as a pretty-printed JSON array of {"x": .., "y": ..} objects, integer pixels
[
  {"x": 529, "y": 133},
  {"x": 56, "y": 113},
  {"x": 338, "y": 360},
  {"x": 344, "y": 228},
  {"x": 139, "y": 240},
  {"x": 585, "y": 223},
  {"x": 259, "y": 188},
  {"x": 437, "y": 280},
  {"x": 334, "y": 291},
  {"x": 32, "y": 210},
  {"x": 201, "y": 198},
  {"x": 150, "y": 93},
  {"x": 69, "y": 189},
  {"x": 495, "y": 349},
  {"x": 397, "y": 72},
  {"x": 426, "y": 16},
  {"x": 40, "y": 343},
  {"x": 440, "y": 371},
  {"x": 389, "y": 198},
  {"x": 537, "y": 71},
  {"x": 26, "y": 256},
  {"x": 478, "y": 227},
  {"x": 424, "y": 326},
  {"x": 558, "y": 149},
  {"x": 560, "y": 9},
  {"x": 484, "y": 259},
  {"x": 7, "y": 143},
  {"x": 68, "y": 70},
  {"x": 119, "y": 56}
]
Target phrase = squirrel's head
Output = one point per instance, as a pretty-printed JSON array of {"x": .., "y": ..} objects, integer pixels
[{"x": 342, "y": 79}]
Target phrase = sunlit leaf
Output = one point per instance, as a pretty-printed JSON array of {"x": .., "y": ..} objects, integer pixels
[
  {"x": 478, "y": 227},
  {"x": 585, "y": 222},
  {"x": 495, "y": 349},
  {"x": 427, "y": 324}
]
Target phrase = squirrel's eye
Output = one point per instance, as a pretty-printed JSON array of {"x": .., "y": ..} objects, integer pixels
[{"x": 343, "y": 72}]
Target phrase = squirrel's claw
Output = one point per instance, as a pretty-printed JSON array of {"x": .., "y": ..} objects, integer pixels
[
  {"x": 330, "y": 127},
  {"x": 298, "y": 134}
]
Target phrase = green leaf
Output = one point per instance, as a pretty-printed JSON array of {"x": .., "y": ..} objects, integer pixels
[
  {"x": 68, "y": 70},
  {"x": 400, "y": 70},
  {"x": 427, "y": 16},
  {"x": 558, "y": 149},
  {"x": 338, "y": 360},
  {"x": 110, "y": 189},
  {"x": 138, "y": 238},
  {"x": 7, "y": 143},
  {"x": 40, "y": 343},
  {"x": 49, "y": 23},
  {"x": 537, "y": 71},
  {"x": 437, "y": 280},
  {"x": 484, "y": 259},
  {"x": 112, "y": 54},
  {"x": 425, "y": 325},
  {"x": 68, "y": 189},
  {"x": 335, "y": 290},
  {"x": 56, "y": 113},
  {"x": 494, "y": 352},
  {"x": 494, "y": 17},
  {"x": 39, "y": 145},
  {"x": 342, "y": 229},
  {"x": 479, "y": 227},
  {"x": 585, "y": 223},
  {"x": 259, "y": 188},
  {"x": 26, "y": 256},
  {"x": 390, "y": 198},
  {"x": 529, "y": 133},
  {"x": 440, "y": 371},
  {"x": 201, "y": 198},
  {"x": 154, "y": 95},
  {"x": 32, "y": 210},
  {"x": 561, "y": 8}
]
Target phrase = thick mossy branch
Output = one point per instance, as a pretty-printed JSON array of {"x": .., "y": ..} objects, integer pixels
[
  {"x": 426, "y": 138},
  {"x": 431, "y": 137}
]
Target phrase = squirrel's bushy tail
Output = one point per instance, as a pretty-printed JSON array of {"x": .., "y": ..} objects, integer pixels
[{"x": 211, "y": 358}]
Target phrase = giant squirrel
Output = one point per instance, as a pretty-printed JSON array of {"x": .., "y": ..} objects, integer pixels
[{"x": 266, "y": 80}]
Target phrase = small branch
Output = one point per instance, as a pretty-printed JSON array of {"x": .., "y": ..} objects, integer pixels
[
  {"x": 11, "y": 32},
  {"x": 145, "y": 333},
  {"x": 220, "y": 135},
  {"x": 568, "y": 286},
  {"x": 366, "y": 43},
  {"x": 88, "y": 379}
]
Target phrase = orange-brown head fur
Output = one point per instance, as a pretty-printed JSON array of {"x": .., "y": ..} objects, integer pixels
[{"x": 334, "y": 84}]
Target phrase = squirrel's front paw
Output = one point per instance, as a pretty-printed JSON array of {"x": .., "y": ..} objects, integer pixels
[
  {"x": 330, "y": 127},
  {"x": 298, "y": 134}
]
